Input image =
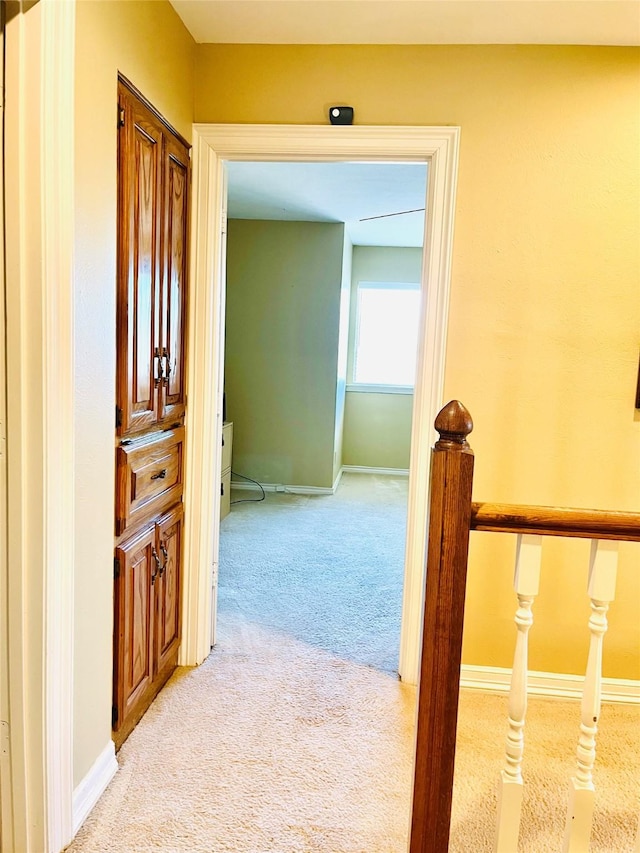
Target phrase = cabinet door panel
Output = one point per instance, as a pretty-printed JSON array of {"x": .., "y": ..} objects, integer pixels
[
  {"x": 134, "y": 622},
  {"x": 168, "y": 588},
  {"x": 175, "y": 277},
  {"x": 140, "y": 155}
]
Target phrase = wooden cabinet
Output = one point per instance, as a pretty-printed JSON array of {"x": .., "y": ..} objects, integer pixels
[
  {"x": 147, "y": 617},
  {"x": 225, "y": 476},
  {"x": 133, "y": 627},
  {"x": 153, "y": 192}
]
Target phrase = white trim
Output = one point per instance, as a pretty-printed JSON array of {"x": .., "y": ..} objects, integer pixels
[
  {"x": 94, "y": 784},
  {"x": 40, "y": 401},
  {"x": 204, "y": 394},
  {"x": 560, "y": 686},
  {"x": 58, "y": 164},
  {"x": 363, "y": 469},
  {"x": 429, "y": 388},
  {"x": 289, "y": 490},
  {"x": 361, "y": 388},
  {"x": 6, "y": 793},
  {"x": 214, "y": 143}
]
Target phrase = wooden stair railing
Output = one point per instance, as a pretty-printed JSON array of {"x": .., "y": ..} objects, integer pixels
[{"x": 452, "y": 516}]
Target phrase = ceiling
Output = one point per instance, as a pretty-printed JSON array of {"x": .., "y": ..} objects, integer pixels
[
  {"x": 335, "y": 192},
  {"x": 594, "y": 22}
]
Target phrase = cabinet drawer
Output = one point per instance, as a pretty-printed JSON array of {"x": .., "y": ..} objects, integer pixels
[
  {"x": 227, "y": 445},
  {"x": 149, "y": 478},
  {"x": 225, "y": 494}
]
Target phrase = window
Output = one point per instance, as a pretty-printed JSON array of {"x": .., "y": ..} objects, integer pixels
[{"x": 386, "y": 335}]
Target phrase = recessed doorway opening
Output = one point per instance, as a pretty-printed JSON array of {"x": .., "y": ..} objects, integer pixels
[
  {"x": 323, "y": 293},
  {"x": 215, "y": 145}
]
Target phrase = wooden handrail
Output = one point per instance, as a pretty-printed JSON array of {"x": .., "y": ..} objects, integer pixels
[
  {"x": 452, "y": 516},
  {"x": 556, "y": 521}
]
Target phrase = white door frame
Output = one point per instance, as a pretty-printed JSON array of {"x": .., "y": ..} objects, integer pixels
[
  {"x": 213, "y": 144},
  {"x": 38, "y": 668}
]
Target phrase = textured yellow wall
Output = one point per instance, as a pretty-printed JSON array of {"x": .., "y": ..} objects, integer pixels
[
  {"x": 544, "y": 328},
  {"x": 148, "y": 44}
]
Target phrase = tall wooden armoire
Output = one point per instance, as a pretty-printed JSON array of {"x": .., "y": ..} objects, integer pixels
[{"x": 153, "y": 203}]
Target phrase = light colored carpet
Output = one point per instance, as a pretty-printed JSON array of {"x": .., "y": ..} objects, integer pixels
[
  {"x": 327, "y": 569},
  {"x": 280, "y": 744}
]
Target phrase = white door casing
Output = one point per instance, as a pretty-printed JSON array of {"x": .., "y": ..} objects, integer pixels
[
  {"x": 214, "y": 144},
  {"x": 39, "y": 137}
]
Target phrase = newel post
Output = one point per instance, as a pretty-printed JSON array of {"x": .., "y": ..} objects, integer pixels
[{"x": 447, "y": 551}]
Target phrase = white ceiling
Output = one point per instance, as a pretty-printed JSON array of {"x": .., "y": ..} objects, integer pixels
[
  {"x": 595, "y": 22},
  {"x": 335, "y": 192}
]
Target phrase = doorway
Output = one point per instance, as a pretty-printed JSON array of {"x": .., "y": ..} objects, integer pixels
[
  {"x": 322, "y": 305},
  {"x": 213, "y": 145}
]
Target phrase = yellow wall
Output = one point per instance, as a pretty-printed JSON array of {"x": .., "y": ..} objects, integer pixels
[
  {"x": 148, "y": 44},
  {"x": 544, "y": 325}
]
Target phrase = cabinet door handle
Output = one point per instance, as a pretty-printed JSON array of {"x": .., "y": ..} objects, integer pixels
[
  {"x": 160, "y": 475},
  {"x": 166, "y": 558},
  {"x": 159, "y": 367},
  {"x": 167, "y": 358},
  {"x": 158, "y": 566}
]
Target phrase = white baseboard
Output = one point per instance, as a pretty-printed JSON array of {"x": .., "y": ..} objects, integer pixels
[
  {"x": 560, "y": 686},
  {"x": 289, "y": 490},
  {"x": 320, "y": 490},
  {"x": 361, "y": 469},
  {"x": 94, "y": 784}
]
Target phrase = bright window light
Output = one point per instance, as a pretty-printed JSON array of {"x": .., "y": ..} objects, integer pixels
[{"x": 386, "y": 334}]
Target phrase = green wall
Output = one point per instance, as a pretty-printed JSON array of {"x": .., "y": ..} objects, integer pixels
[
  {"x": 377, "y": 427},
  {"x": 377, "y": 430},
  {"x": 282, "y": 338}
]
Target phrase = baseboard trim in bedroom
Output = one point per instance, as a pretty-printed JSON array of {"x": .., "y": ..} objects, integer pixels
[
  {"x": 561, "y": 686},
  {"x": 289, "y": 490},
  {"x": 362, "y": 469}
]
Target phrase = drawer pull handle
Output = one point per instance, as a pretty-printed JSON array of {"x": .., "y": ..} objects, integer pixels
[{"x": 160, "y": 475}]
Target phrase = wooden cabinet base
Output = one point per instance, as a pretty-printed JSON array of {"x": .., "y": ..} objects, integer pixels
[
  {"x": 147, "y": 622},
  {"x": 121, "y": 732}
]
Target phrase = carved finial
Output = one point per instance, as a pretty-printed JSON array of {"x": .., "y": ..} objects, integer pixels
[{"x": 454, "y": 425}]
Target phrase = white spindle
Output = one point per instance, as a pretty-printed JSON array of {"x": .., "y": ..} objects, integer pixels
[
  {"x": 602, "y": 586},
  {"x": 526, "y": 584}
]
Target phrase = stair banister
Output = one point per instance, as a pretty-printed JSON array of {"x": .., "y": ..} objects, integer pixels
[
  {"x": 452, "y": 516},
  {"x": 446, "y": 572}
]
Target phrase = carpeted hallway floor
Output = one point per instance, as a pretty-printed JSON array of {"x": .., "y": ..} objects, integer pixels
[{"x": 295, "y": 736}]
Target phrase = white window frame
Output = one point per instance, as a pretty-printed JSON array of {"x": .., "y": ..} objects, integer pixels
[{"x": 379, "y": 387}]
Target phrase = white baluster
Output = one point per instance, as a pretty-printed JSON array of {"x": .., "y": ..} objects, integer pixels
[
  {"x": 526, "y": 584},
  {"x": 602, "y": 587}
]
